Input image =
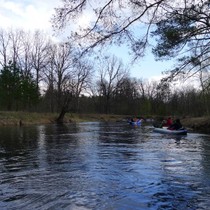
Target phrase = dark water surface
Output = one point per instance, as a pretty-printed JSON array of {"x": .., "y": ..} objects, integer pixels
[{"x": 102, "y": 166}]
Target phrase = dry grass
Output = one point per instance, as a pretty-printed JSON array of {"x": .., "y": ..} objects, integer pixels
[
  {"x": 26, "y": 118},
  {"x": 14, "y": 118},
  {"x": 197, "y": 123}
]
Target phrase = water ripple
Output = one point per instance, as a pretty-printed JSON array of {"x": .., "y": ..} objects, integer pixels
[{"x": 103, "y": 166}]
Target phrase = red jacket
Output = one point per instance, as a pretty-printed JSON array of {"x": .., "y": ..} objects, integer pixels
[{"x": 169, "y": 122}]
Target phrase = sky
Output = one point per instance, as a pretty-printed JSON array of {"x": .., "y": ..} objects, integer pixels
[
  {"x": 36, "y": 14},
  {"x": 27, "y": 14}
]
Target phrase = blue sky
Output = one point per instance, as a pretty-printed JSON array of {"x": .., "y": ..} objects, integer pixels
[
  {"x": 36, "y": 14},
  {"x": 146, "y": 67}
]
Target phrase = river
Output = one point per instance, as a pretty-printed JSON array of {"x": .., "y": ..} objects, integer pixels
[{"x": 103, "y": 166}]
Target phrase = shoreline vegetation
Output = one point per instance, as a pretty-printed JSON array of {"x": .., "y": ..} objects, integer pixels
[
  {"x": 197, "y": 124},
  {"x": 30, "y": 118}
]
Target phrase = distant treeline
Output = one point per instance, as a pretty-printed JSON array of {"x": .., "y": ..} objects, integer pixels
[{"x": 37, "y": 74}]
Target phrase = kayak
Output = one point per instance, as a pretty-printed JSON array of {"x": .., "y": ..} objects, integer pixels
[
  {"x": 135, "y": 122},
  {"x": 181, "y": 131}
]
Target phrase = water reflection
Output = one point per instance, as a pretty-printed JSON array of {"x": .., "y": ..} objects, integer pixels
[{"x": 102, "y": 166}]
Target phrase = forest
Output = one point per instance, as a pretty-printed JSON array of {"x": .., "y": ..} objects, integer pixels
[{"x": 40, "y": 74}]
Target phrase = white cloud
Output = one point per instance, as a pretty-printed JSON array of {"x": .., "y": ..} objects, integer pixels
[
  {"x": 14, "y": 8},
  {"x": 27, "y": 14}
]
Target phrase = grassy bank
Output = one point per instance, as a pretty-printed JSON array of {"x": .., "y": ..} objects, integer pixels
[
  {"x": 201, "y": 124},
  {"x": 27, "y": 118},
  {"x": 14, "y": 118}
]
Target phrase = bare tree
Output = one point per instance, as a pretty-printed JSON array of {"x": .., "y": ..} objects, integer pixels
[
  {"x": 39, "y": 54},
  {"x": 16, "y": 37},
  {"x": 141, "y": 87},
  {"x": 205, "y": 86},
  {"x": 61, "y": 62},
  {"x": 82, "y": 75},
  {"x": 49, "y": 78},
  {"x": 150, "y": 89},
  {"x": 147, "y": 94},
  {"x": 4, "y": 47},
  {"x": 125, "y": 96},
  {"x": 26, "y": 57},
  {"x": 111, "y": 73},
  {"x": 11, "y": 46},
  {"x": 111, "y": 22}
]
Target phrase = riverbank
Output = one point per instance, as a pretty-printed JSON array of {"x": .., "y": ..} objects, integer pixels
[
  {"x": 198, "y": 124},
  {"x": 28, "y": 118}
]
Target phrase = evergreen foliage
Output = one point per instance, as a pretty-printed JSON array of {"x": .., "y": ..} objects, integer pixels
[{"x": 17, "y": 92}]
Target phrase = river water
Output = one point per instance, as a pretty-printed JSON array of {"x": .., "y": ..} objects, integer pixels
[{"x": 103, "y": 166}]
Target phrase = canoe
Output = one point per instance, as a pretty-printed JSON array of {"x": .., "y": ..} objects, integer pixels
[{"x": 181, "y": 131}]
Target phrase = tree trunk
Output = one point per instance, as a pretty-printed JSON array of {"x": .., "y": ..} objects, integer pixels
[
  {"x": 64, "y": 110},
  {"x": 61, "y": 116}
]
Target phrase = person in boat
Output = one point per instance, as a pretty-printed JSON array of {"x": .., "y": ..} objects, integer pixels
[
  {"x": 167, "y": 123},
  {"x": 176, "y": 125},
  {"x": 135, "y": 120},
  {"x": 131, "y": 120}
]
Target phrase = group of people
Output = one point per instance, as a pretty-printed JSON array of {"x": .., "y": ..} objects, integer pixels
[{"x": 171, "y": 125}]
